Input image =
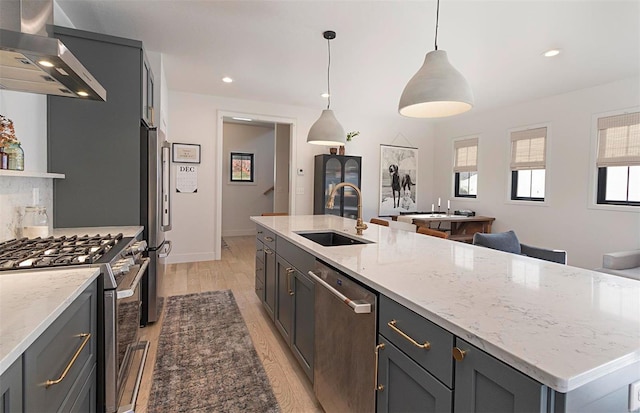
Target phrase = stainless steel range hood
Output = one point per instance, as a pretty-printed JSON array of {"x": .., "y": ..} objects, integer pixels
[{"x": 30, "y": 61}]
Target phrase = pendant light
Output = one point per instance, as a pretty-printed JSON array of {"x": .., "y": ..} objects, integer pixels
[
  {"x": 437, "y": 90},
  {"x": 327, "y": 130}
]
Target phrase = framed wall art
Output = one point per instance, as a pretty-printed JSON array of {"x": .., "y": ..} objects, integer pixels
[
  {"x": 398, "y": 180},
  {"x": 186, "y": 153}
]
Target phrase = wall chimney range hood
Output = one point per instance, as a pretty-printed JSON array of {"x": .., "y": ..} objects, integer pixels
[{"x": 30, "y": 61}]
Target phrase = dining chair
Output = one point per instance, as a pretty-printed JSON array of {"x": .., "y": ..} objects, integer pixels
[
  {"x": 382, "y": 222},
  {"x": 432, "y": 232}
]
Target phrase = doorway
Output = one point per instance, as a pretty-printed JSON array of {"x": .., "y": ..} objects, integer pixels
[{"x": 264, "y": 146}]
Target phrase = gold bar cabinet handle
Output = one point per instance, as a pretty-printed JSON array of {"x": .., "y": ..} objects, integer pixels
[
  {"x": 269, "y": 239},
  {"x": 289, "y": 272},
  {"x": 268, "y": 251},
  {"x": 392, "y": 325},
  {"x": 379, "y": 387},
  {"x": 87, "y": 337}
]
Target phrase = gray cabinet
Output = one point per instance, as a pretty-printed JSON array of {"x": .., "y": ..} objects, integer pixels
[
  {"x": 330, "y": 170},
  {"x": 283, "y": 316},
  {"x": 404, "y": 386},
  {"x": 259, "y": 285},
  {"x": 289, "y": 294},
  {"x": 416, "y": 371},
  {"x": 303, "y": 336},
  {"x": 60, "y": 366},
  {"x": 485, "y": 384},
  {"x": 295, "y": 304},
  {"x": 11, "y": 388},
  {"x": 266, "y": 269},
  {"x": 97, "y": 144}
]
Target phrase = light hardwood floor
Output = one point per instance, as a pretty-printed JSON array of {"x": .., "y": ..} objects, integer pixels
[{"x": 236, "y": 271}]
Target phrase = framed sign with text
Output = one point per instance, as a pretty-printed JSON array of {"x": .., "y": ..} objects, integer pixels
[{"x": 186, "y": 153}]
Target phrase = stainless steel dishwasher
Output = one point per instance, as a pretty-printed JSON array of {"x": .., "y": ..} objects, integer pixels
[{"x": 345, "y": 336}]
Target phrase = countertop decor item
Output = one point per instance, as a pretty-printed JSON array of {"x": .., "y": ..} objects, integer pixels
[
  {"x": 437, "y": 90},
  {"x": 352, "y": 135},
  {"x": 327, "y": 130}
]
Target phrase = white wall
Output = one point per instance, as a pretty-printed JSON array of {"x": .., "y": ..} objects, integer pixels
[
  {"x": 242, "y": 200},
  {"x": 568, "y": 220},
  {"x": 28, "y": 112},
  {"x": 194, "y": 120}
]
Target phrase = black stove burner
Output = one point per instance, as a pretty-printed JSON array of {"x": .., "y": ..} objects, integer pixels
[{"x": 53, "y": 252}]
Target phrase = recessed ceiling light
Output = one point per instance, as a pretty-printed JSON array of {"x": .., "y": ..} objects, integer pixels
[
  {"x": 227, "y": 79},
  {"x": 83, "y": 93},
  {"x": 45, "y": 63},
  {"x": 551, "y": 53},
  {"x": 325, "y": 95},
  {"x": 243, "y": 119}
]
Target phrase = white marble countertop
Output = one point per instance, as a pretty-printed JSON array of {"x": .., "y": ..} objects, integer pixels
[
  {"x": 30, "y": 301},
  {"x": 563, "y": 326}
]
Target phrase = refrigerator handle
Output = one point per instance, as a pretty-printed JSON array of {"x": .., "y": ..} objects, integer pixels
[{"x": 167, "y": 249}]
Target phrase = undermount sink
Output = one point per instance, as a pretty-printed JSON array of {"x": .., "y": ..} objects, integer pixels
[{"x": 331, "y": 238}]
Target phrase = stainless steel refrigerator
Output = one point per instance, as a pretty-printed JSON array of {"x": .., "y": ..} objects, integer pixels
[{"x": 155, "y": 215}]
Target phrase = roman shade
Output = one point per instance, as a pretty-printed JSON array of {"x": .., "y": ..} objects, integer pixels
[
  {"x": 528, "y": 149},
  {"x": 619, "y": 140},
  {"x": 466, "y": 155}
]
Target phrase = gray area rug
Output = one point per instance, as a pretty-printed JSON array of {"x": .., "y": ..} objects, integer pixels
[{"x": 206, "y": 361}]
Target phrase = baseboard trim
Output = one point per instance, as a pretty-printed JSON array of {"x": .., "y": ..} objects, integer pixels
[{"x": 239, "y": 232}]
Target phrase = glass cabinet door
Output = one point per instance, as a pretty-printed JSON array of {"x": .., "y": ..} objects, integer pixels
[
  {"x": 333, "y": 176},
  {"x": 351, "y": 175}
]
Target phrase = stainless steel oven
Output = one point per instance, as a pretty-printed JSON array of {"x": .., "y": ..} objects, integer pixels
[{"x": 124, "y": 353}]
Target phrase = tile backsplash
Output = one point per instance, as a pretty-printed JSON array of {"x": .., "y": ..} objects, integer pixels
[{"x": 15, "y": 194}]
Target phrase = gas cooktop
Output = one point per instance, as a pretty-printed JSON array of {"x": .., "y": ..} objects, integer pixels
[{"x": 56, "y": 252}]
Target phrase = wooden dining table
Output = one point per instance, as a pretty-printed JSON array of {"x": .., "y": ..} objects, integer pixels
[{"x": 459, "y": 227}]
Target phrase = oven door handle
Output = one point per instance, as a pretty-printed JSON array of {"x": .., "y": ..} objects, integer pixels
[{"x": 136, "y": 280}]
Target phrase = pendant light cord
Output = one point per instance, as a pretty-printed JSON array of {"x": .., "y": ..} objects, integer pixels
[
  {"x": 328, "y": 78},
  {"x": 437, "y": 17}
]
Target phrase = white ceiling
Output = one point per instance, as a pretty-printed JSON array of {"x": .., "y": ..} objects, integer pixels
[{"x": 275, "y": 50}]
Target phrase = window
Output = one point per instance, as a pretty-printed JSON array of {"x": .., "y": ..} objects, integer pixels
[
  {"x": 465, "y": 168},
  {"x": 528, "y": 164},
  {"x": 618, "y": 160},
  {"x": 241, "y": 167}
]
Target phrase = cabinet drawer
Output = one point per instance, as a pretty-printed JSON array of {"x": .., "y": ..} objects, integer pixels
[
  {"x": 50, "y": 355},
  {"x": 437, "y": 360},
  {"x": 267, "y": 237},
  {"x": 296, "y": 256}
]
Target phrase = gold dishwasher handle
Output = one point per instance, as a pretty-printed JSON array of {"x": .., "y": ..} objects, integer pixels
[
  {"x": 50, "y": 383},
  {"x": 379, "y": 387},
  {"x": 392, "y": 325}
]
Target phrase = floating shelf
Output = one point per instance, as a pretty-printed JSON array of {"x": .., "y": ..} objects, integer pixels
[{"x": 30, "y": 174}]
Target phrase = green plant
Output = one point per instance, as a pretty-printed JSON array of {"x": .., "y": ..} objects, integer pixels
[{"x": 352, "y": 135}]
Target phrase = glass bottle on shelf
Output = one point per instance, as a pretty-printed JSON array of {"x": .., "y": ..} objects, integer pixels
[
  {"x": 35, "y": 222},
  {"x": 15, "y": 157}
]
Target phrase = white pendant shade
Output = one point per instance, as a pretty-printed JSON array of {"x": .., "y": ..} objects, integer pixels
[
  {"x": 327, "y": 130},
  {"x": 437, "y": 90}
]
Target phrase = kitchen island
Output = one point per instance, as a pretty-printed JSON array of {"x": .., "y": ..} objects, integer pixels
[{"x": 562, "y": 326}]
